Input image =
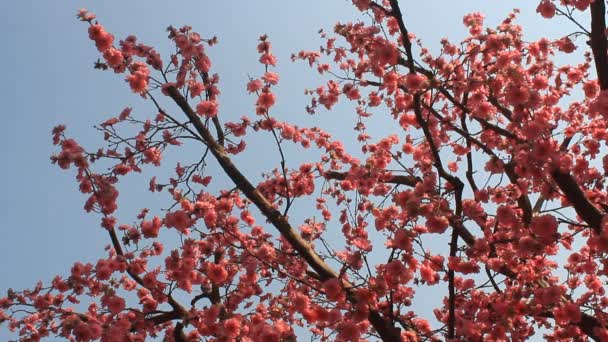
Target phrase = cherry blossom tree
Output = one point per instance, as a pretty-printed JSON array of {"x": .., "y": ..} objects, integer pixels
[{"x": 490, "y": 146}]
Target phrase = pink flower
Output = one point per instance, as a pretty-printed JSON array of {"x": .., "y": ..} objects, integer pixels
[
  {"x": 349, "y": 331},
  {"x": 351, "y": 91},
  {"x": 150, "y": 229},
  {"x": 300, "y": 302},
  {"x": 210, "y": 218},
  {"x": 591, "y": 89},
  {"x": 395, "y": 268},
  {"x": 474, "y": 22},
  {"x": 122, "y": 169},
  {"x": 545, "y": 227},
  {"x": 254, "y": 85},
  {"x": 546, "y": 8},
  {"x": 567, "y": 314},
  {"x": 138, "y": 82},
  {"x": 180, "y": 220},
  {"x": 540, "y": 82},
  {"x": 600, "y": 104},
  {"x": 268, "y": 59},
  {"x": 390, "y": 81},
  {"x": 264, "y": 46},
  {"x": 232, "y": 327},
  {"x": 103, "y": 40},
  {"x": 517, "y": 95},
  {"x": 387, "y": 54},
  {"x": 362, "y": 5},
  {"x": 333, "y": 289},
  {"x": 247, "y": 218},
  {"x": 428, "y": 274},
  {"x": 271, "y": 78},
  {"x": 216, "y": 273},
  {"x": 415, "y": 82},
  {"x": 103, "y": 270},
  {"x": 582, "y": 5},
  {"x": 115, "y": 305},
  {"x": 85, "y": 15},
  {"x": 113, "y": 57},
  {"x": 152, "y": 155},
  {"x": 402, "y": 240},
  {"x": 201, "y": 180},
  {"x": 437, "y": 224},
  {"x": 207, "y": 108},
  {"x": 196, "y": 88},
  {"x": 266, "y": 99},
  {"x": 565, "y": 45}
]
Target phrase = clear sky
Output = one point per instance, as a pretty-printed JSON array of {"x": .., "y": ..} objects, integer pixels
[{"x": 48, "y": 79}]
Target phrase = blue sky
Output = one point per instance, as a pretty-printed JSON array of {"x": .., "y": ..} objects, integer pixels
[{"x": 48, "y": 79}]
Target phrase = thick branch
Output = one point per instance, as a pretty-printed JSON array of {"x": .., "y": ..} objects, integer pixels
[
  {"x": 395, "y": 179},
  {"x": 584, "y": 208},
  {"x": 273, "y": 215},
  {"x": 163, "y": 317},
  {"x": 383, "y": 327},
  {"x": 598, "y": 41},
  {"x": 178, "y": 333},
  {"x": 451, "y": 289}
]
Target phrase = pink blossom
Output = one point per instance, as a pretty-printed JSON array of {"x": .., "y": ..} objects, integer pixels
[
  {"x": 351, "y": 91},
  {"x": 591, "y": 89},
  {"x": 84, "y": 15},
  {"x": 402, "y": 240},
  {"x": 150, "y": 229},
  {"x": 113, "y": 57},
  {"x": 138, "y": 82},
  {"x": 517, "y": 95},
  {"x": 266, "y": 100},
  {"x": 264, "y": 46},
  {"x": 216, "y": 273},
  {"x": 268, "y": 59},
  {"x": 301, "y": 302},
  {"x": 415, "y": 82},
  {"x": 196, "y": 89},
  {"x": 115, "y": 304},
  {"x": 103, "y": 40},
  {"x": 565, "y": 45},
  {"x": 271, "y": 78},
  {"x": 207, "y": 108},
  {"x": 232, "y": 327},
  {"x": 387, "y": 54},
  {"x": 567, "y": 314},
  {"x": 122, "y": 169},
  {"x": 254, "y": 85},
  {"x": 582, "y": 5},
  {"x": 152, "y": 155},
  {"x": 545, "y": 227},
  {"x": 103, "y": 270},
  {"x": 428, "y": 274},
  {"x": 333, "y": 289},
  {"x": 437, "y": 224},
  {"x": 180, "y": 220},
  {"x": 600, "y": 104}
]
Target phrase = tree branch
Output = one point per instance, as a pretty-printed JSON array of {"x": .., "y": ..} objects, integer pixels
[
  {"x": 451, "y": 289},
  {"x": 599, "y": 46},
  {"x": 394, "y": 179},
  {"x": 384, "y": 328}
]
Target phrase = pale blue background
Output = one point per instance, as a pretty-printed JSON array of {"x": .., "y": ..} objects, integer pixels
[{"x": 48, "y": 79}]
